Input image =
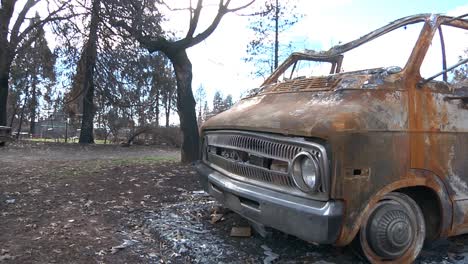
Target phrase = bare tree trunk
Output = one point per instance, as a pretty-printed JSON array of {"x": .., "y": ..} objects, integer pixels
[
  {"x": 5, "y": 65},
  {"x": 167, "y": 109},
  {"x": 276, "y": 34},
  {"x": 12, "y": 119},
  {"x": 89, "y": 63},
  {"x": 18, "y": 132},
  {"x": 32, "y": 125},
  {"x": 157, "y": 108},
  {"x": 4, "y": 74},
  {"x": 186, "y": 107}
]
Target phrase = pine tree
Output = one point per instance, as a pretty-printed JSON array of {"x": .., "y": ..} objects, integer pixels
[
  {"x": 206, "y": 111},
  {"x": 266, "y": 49},
  {"x": 32, "y": 70},
  {"x": 218, "y": 103},
  {"x": 228, "y": 102}
]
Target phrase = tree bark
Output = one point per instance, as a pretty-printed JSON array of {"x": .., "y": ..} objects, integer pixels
[
  {"x": 167, "y": 109},
  {"x": 276, "y": 34},
  {"x": 157, "y": 106},
  {"x": 89, "y": 63},
  {"x": 32, "y": 125},
  {"x": 12, "y": 115},
  {"x": 186, "y": 106},
  {"x": 5, "y": 66},
  {"x": 3, "y": 96},
  {"x": 86, "y": 134},
  {"x": 18, "y": 132}
]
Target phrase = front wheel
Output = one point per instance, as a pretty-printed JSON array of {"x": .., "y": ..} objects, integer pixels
[{"x": 394, "y": 230}]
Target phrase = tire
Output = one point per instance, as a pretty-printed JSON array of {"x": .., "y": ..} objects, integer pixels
[{"x": 393, "y": 231}]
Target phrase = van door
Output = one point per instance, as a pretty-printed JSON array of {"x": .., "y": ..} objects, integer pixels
[{"x": 443, "y": 106}]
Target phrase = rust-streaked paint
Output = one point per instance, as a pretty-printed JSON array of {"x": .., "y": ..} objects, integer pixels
[{"x": 401, "y": 132}]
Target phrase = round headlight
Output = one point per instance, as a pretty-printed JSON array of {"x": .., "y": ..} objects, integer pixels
[{"x": 305, "y": 172}]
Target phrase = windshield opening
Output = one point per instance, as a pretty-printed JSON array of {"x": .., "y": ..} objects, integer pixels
[
  {"x": 306, "y": 68},
  {"x": 390, "y": 50}
]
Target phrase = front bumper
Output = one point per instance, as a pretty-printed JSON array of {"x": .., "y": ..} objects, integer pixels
[{"x": 310, "y": 220}]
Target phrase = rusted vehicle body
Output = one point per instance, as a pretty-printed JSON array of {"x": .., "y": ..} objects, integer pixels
[
  {"x": 379, "y": 155},
  {"x": 5, "y": 135}
]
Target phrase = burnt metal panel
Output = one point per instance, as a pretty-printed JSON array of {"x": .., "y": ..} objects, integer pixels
[{"x": 387, "y": 131}]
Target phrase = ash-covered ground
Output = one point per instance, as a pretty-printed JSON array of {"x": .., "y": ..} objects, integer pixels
[{"x": 107, "y": 204}]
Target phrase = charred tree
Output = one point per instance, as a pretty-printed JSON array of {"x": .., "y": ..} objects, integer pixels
[
  {"x": 85, "y": 76},
  {"x": 12, "y": 40},
  {"x": 175, "y": 50},
  {"x": 33, "y": 106}
]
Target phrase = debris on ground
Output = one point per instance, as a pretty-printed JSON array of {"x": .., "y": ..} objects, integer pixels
[
  {"x": 125, "y": 244},
  {"x": 244, "y": 231},
  {"x": 270, "y": 256},
  {"x": 106, "y": 204},
  {"x": 183, "y": 228},
  {"x": 5, "y": 255},
  {"x": 216, "y": 218}
]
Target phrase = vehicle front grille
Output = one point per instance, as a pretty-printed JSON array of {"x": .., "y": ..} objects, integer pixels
[
  {"x": 251, "y": 171},
  {"x": 255, "y": 144},
  {"x": 256, "y": 158}
]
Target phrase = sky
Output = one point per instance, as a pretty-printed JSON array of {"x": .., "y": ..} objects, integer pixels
[{"x": 218, "y": 61}]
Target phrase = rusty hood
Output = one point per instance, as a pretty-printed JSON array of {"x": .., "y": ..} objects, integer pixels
[{"x": 320, "y": 106}]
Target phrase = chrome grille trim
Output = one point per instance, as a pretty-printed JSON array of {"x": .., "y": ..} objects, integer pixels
[
  {"x": 252, "y": 171},
  {"x": 255, "y": 145},
  {"x": 269, "y": 146}
]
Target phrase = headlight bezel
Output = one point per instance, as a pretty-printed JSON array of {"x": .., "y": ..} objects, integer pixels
[{"x": 297, "y": 173}]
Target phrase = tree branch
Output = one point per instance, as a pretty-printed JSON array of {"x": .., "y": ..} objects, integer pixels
[
  {"x": 194, "y": 19},
  {"x": 189, "y": 42},
  {"x": 160, "y": 43},
  {"x": 152, "y": 44},
  {"x": 222, "y": 10},
  {"x": 176, "y": 9},
  {"x": 14, "y": 35},
  {"x": 240, "y": 7},
  {"x": 50, "y": 18}
]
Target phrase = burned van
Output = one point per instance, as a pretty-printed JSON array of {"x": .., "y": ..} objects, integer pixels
[{"x": 365, "y": 141}]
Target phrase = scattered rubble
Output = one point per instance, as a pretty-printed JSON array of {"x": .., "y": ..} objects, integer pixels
[
  {"x": 5, "y": 255},
  {"x": 183, "y": 228},
  {"x": 241, "y": 231},
  {"x": 125, "y": 244},
  {"x": 270, "y": 255},
  {"x": 216, "y": 218},
  {"x": 96, "y": 214},
  {"x": 10, "y": 201}
]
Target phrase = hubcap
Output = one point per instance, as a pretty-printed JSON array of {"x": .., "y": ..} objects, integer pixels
[{"x": 391, "y": 231}]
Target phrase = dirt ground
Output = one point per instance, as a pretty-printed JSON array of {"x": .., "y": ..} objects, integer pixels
[{"x": 66, "y": 203}]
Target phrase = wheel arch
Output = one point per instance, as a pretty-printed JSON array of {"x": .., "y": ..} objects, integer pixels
[{"x": 417, "y": 180}]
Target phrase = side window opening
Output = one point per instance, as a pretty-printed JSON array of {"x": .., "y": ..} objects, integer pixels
[
  {"x": 432, "y": 63},
  {"x": 451, "y": 42}
]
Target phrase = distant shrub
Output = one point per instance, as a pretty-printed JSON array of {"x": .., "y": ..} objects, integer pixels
[{"x": 162, "y": 136}]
